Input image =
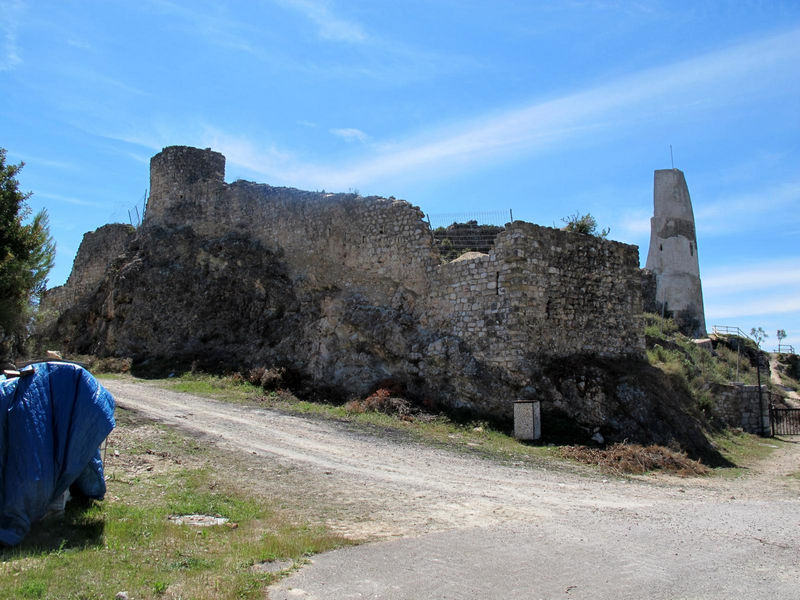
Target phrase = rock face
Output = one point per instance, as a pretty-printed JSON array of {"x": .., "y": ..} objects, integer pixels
[
  {"x": 348, "y": 291},
  {"x": 673, "y": 254}
]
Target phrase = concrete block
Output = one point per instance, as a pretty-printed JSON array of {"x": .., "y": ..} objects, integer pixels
[{"x": 527, "y": 420}]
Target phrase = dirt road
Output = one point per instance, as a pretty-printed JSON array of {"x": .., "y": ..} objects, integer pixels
[
  {"x": 792, "y": 397},
  {"x": 457, "y": 526}
]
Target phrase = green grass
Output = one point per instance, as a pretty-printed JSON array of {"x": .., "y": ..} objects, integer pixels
[
  {"x": 476, "y": 437},
  {"x": 743, "y": 450},
  {"x": 127, "y": 543},
  {"x": 696, "y": 367},
  {"x": 213, "y": 386}
]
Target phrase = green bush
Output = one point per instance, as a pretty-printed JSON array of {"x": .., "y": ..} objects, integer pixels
[{"x": 655, "y": 326}]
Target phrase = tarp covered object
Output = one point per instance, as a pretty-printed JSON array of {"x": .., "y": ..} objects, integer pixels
[{"x": 51, "y": 426}]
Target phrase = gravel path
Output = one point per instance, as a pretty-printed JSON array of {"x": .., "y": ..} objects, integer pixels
[
  {"x": 793, "y": 398},
  {"x": 457, "y": 526}
]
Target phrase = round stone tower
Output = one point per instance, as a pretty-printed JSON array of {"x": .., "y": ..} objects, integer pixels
[
  {"x": 174, "y": 171},
  {"x": 673, "y": 253}
]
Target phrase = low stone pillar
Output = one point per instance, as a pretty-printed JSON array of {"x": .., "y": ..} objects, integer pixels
[{"x": 527, "y": 420}]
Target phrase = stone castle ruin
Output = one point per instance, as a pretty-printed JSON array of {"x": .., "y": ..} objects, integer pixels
[{"x": 348, "y": 292}]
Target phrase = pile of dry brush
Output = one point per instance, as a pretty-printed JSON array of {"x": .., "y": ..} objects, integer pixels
[
  {"x": 386, "y": 400},
  {"x": 634, "y": 459}
]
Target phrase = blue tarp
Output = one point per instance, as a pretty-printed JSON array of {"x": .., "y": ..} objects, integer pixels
[{"x": 51, "y": 426}]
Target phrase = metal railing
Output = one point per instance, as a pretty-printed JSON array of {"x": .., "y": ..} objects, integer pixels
[{"x": 725, "y": 330}]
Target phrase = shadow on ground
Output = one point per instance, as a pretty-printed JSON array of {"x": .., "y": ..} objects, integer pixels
[{"x": 78, "y": 527}]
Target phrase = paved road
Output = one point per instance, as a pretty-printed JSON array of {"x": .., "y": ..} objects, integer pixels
[
  {"x": 476, "y": 529},
  {"x": 708, "y": 551}
]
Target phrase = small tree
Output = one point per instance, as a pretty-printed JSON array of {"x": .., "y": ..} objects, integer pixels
[
  {"x": 586, "y": 224},
  {"x": 759, "y": 335},
  {"x": 781, "y": 335},
  {"x": 27, "y": 253}
]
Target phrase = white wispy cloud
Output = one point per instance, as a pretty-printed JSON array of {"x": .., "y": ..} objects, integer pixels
[
  {"x": 537, "y": 127},
  {"x": 547, "y": 124},
  {"x": 329, "y": 25},
  {"x": 68, "y": 199},
  {"x": 721, "y": 215},
  {"x": 635, "y": 224},
  {"x": 543, "y": 125},
  {"x": 140, "y": 158},
  {"x": 754, "y": 294},
  {"x": 279, "y": 165},
  {"x": 211, "y": 21},
  {"x": 80, "y": 44},
  {"x": 379, "y": 56},
  {"x": 767, "y": 305},
  {"x": 10, "y": 16},
  {"x": 758, "y": 276},
  {"x": 350, "y": 134},
  {"x": 39, "y": 161}
]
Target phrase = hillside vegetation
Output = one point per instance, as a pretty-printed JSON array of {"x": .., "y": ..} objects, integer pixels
[{"x": 732, "y": 358}]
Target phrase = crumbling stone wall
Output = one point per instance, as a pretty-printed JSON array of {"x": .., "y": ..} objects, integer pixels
[
  {"x": 542, "y": 292},
  {"x": 331, "y": 240},
  {"x": 175, "y": 173},
  {"x": 349, "y": 291},
  {"x": 97, "y": 250}
]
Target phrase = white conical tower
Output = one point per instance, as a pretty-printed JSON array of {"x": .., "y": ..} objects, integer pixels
[{"x": 673, "y": 253}]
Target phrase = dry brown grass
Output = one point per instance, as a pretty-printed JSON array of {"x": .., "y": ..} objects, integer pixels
[
  {"x": 634, "y": 459},
  {"x": 382, "y": 400},
  {"x": 270, "y": 379}
]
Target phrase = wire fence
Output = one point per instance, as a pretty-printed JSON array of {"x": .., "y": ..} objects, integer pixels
[
  {"x": 129, "y": 213},
  {"x": 457, "y": 233}
]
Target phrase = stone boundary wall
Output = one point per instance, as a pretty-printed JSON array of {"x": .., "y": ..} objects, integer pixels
[
  {"x": 95, "y": 253},
  {"x": 738, "y": 405},
  {"x": 572, "y": 293}
]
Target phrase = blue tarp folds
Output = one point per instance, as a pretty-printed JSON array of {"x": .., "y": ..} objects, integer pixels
[{"x": 51, "y": 426}]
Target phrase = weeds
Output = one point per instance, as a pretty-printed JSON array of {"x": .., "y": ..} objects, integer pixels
[
  {"x": 659, "y": 328},
  {"x": 382, "y": 400},
  {"x": 272, "y": 378},
  {"x": 742, "y": 448},
  {"x": 697, "y": 368}
]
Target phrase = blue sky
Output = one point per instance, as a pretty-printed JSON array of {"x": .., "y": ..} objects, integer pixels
[{"x": 543, "y": 108}]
